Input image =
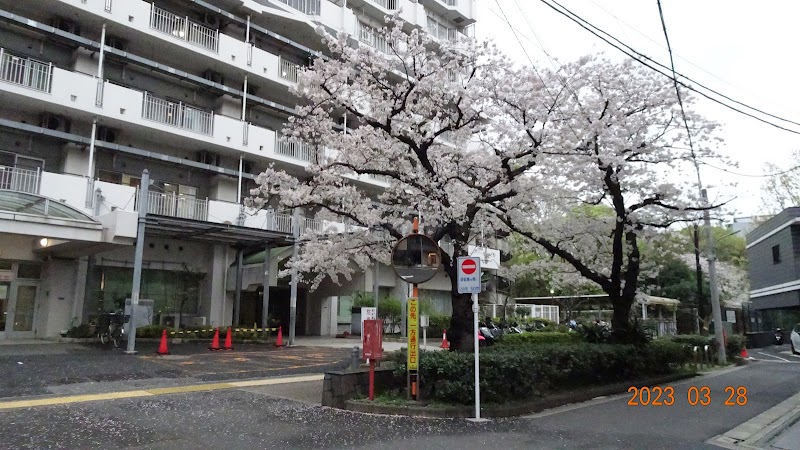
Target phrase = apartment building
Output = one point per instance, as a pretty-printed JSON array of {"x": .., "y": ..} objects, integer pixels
[{"x": 93, "y": 92}]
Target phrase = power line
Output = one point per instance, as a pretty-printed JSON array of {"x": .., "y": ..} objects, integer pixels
[
  {"x": 639, "y": 56},
  {"x": 752, "y": 175}
]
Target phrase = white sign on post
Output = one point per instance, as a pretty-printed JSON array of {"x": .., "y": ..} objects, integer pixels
[
  {"x": 469, "y": 274},
  {"x": 368, "y": 313}
]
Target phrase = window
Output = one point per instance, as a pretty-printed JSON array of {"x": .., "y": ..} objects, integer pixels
[
  {"x": 776, "y": 254},
  {"x": 31, "y": 271},
  {"x": 371, "y": 37}
]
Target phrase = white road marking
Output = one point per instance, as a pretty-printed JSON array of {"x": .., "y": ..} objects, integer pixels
[{"x": 773, "y": 356}]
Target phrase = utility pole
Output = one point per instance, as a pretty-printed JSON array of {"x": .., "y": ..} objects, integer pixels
[
  {"x": 293, "y": 282},
  {"x": 716, "y": 312},
  {"x": 137, "y": 261}
]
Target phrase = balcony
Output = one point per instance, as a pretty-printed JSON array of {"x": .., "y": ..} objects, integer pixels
[
  {"x": 450, "y": 2},
  {"x": 289, "y": 70},
  {"x": 178, "y": 115},
  {"x": 294, "y": 149},
  {"x": 174, "y": 205},
  {"x": 20, "y": 180},
  {"x": 391, "y": 5},
  {"x": 308, "y": 7},
  {"x": 184, "y": 29},
  {"x": 27, "y": 72}
]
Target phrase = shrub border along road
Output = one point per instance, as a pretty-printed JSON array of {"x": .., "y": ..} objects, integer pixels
[{"x": 515, "y": 409}]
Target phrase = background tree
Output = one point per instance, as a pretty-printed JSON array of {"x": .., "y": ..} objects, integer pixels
[
  {"x": 781, "y": 190},
  {"x": 417, "y": 119},
  {"x": 620, "y": 144}
]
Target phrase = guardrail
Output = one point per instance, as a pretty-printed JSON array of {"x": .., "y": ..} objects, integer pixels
[
  {"x": 178, "y": 115},
  {"x": 175, "y": 205},
  {"x": 27, "y": 72},
  {"x": 184, "y": 28},
  {"x": 20, "y": 180},
  {"x": 296, "y": 150},
  {"x": 309, "y": 7},
  {"x": 289, "y": 70}
]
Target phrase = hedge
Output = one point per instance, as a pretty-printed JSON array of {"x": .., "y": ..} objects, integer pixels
[
  {"x": 542, "y": 337},
  {"x": 526, "y": 371},
  {"x": 733, "y": 348}
]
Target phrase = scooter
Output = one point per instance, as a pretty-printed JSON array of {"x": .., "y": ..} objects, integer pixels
[{"x": 778, "y": 337}]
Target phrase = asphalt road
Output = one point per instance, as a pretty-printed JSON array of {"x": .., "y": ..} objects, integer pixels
[{"x": 256, "y": 418}]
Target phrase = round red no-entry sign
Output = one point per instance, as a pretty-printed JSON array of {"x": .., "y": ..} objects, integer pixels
[{"x": 468, "y": 266}]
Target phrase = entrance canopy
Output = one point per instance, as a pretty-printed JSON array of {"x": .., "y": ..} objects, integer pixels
[{"x": 28, "y": 214}]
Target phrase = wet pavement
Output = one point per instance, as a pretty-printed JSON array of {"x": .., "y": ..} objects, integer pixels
[{"x": 72, "y": 368}]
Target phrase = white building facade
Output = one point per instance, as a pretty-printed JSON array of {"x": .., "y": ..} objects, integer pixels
[{"x": 93, "y": 92}]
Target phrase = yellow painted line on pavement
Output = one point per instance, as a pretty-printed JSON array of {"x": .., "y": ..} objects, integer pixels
[{"x": 82, "y": 398}]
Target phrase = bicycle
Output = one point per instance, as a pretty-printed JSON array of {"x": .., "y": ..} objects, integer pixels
[{"x": 113, "y": 331}]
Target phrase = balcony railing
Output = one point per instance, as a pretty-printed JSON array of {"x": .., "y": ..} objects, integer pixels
[
  {"x": 370, "y": 36},
  {"x": 294, "y": 149},
  {"x": 310, "y": 7},
  {"x": 27, "y": 72},
  {"x": 21, "y": 180},
  {"x": 312, "y": 225},
  {"x": 450, "y": 2},
  {"x": 178, "y": 115},
  {"x": 184, "y": 29},
  {"x": 108, "y": 6},
  {"x": 387, "y": 4},
  {"x": 289, "y": 70},
  {"x": 175, "y": 205}
]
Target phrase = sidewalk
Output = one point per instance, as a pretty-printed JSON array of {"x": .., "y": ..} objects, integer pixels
[{"x": 355, "y": 341}]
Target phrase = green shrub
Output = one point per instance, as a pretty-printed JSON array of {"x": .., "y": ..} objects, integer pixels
[
  {"x": 523, "y": 372},
  {"x": 436, "y": 324},
  {"x": 152, "y": 331},
  {"x": 736, "y": 343},
  {"x": 540, "y": 337},
  {"x": 83, "y": 330}
]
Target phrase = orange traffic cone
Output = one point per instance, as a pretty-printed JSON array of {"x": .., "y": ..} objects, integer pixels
[
  {"x": 744, "y": 353},
  {"x": 445, "y": 343},
  {"x": 228, "y": 343},
  {"x": 279, "y": 340},
  {"x": 162, "y": 347},
  {"x": 215, "y": 342}
]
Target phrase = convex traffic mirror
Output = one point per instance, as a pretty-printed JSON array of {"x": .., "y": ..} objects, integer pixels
[{"x": 416, "y": 258}]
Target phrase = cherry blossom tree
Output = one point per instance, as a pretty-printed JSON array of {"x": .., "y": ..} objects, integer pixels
[
  {"x": 621, "y": 144},
  {"x": 414, "y": 121}
]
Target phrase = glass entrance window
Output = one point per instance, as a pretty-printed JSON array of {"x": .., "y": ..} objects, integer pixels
[
  {"x": 24, "y": 308},
  {"x": 4, "y": 293}
]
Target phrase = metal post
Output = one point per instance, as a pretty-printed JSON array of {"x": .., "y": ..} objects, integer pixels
[
  {"x": 239, "y": 186},
  {"x": 293, "y": 282},
  {"x": 99, "y": 94},
  {"x": 477, "y": 356},
  {"x": 716, "y": 312},
  {"x": 237, "y": 302},
  {"x": 137, "y": 261},
  {"x": 90, "y": 168},
  {"x": 376, "y": 270},
  {"x": 265, "y": 295}
]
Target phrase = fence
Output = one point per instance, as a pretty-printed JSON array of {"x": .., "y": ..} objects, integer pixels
[
  {"x": 293, "y": 149},
  {"x": 174, "y": 205},
  {"x": 21, "y": 180},
  {"x": 24, "y": 71},
  {"x": 178, "y": 115},
  {"x": 289, "y": 70},
  {"x": 310, "y": 7},
  {"x": 184, "y": 29}
]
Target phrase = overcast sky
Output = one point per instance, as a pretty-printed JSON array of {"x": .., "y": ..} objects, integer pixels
[{"x": 746, "y": 50}]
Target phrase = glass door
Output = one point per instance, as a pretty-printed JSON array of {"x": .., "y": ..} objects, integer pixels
[
  {"x": 22, "y": 309},
  {"x": 5, "y": 294}
]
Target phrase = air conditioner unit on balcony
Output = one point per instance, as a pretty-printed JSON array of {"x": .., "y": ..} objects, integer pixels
[
  {"x": 207, "y": 157},
  {"x": 107, "y": 134},
  {"x": 116, "y": 42},
  {"x": 214, "y": 76},
  {"x": 211, "y": 20},
  {"x": 54, "y": 122},
  {"x": 63, "y": 24}
]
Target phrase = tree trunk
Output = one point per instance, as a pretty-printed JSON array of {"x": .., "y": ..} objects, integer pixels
[
  {"x": 620, "y": 320},
  {"x": 460, "y": 334}
]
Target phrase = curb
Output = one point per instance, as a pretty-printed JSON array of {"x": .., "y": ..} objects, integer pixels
[{"x": 498, "y": 411}]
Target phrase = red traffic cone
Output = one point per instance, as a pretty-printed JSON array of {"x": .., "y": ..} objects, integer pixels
[
  {"x": 445, "y": 343},
  {"x": 162, "y": 347},
  {"x": 228, "y": 343},
  {"x": 744, "y": 353},
  {"x": 279, "y": 340},
  {"x": 215, "y": 342}
]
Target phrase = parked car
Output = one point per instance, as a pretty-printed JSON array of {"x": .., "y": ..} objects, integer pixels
[{"x": 794, "y": 339}]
